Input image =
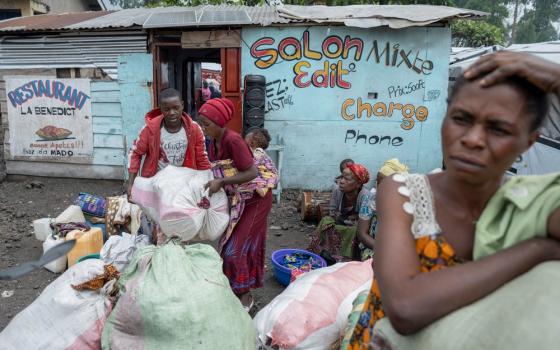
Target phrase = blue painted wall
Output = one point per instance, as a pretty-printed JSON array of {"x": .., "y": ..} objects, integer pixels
[
  {"x": 135, "y": 79},
  {"x": 107, "y": 124},
  {"x": 118, "y": 109},
  {"x": 320, "y": 125}
]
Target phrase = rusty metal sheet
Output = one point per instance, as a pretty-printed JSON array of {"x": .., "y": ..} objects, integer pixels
[{"x": 49, "y": 22}]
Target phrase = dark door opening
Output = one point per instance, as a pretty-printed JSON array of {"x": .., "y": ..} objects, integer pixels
[
  {"x": 187, "y": 69},
  {"x": 182, "y": 69}
]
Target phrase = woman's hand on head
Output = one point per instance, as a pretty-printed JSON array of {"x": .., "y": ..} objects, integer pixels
[
  {"x": 496, "y": 67},
  {"x": 214, "y": 186}
]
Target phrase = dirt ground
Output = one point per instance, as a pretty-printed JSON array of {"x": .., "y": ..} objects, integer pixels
[{"x": 24, "y": 199}]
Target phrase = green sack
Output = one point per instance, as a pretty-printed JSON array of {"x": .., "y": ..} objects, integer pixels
[
  {"x": 175, "y": 297},
  {"x": 523, "y": 314}
]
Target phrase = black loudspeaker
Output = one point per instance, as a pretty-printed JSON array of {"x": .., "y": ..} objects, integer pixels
[{"x": 254, "y": 98}]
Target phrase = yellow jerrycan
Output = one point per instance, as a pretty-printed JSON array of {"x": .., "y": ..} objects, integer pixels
[{"x": 87, "y": 242}]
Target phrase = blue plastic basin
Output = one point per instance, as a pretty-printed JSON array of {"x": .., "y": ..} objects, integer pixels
[{"x": 283, "y": 274}]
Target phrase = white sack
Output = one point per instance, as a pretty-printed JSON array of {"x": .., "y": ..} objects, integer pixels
[
  {"x": 312, "y": 312},
  {"x": 61, "y": 317},
  {"x": 118, "y": 250},
  {"x": 174, "y": 198}
]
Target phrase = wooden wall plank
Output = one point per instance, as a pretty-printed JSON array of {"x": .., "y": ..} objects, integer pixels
[
  {"x": 107, "y": 125},
  {"x": 104, "y": 86},
  {"x": 211, "y": 39},
  {"x": 108, "y": 141},
  {"x": 108, "y": 156},
  {"x": 108, "y": 109},
  {"x": 105, "y": 96}
]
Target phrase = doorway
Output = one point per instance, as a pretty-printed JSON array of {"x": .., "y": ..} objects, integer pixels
[
  {"x": 186, "y": 69},
  {"x": 181, "y": 69}
]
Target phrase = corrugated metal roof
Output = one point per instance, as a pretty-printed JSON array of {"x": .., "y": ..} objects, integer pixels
[
  {"x": 70, "y": 50},
  {"x": 464, "y": 57},
  {"x": 259, "y": 15},
  {"x": 366, "y": 16},
  {"x": 118, "y": 19},
  {"x": 462, "y": 54},
  {"x": 267, "y": 15},
  {"x": 369, "y": 16},
  {"x": 48, "y": 22}
]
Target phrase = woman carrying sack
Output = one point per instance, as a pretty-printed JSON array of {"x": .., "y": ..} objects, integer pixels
[{"x": 242, "y": 247}]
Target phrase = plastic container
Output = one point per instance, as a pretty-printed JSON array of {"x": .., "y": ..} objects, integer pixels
[
  {"x": 90, "y": 256},
  {"x": 58, "y": 265},
  {"x": 72, "y": 214},
  {"x": 100, "y": 226},
  {"x": 283, "y": 274},
  {"x": 87, "y": 242},
  {"x": 42, "y": 228}
]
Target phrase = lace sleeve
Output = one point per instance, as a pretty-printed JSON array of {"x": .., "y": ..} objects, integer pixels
[{"x": 420, "y": 204}]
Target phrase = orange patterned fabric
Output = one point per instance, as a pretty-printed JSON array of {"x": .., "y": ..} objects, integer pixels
[
  {"x": 434, "y": 254},
  {"x": 98, "y": 282}
]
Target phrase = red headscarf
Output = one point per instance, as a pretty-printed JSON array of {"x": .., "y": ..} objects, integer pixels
[
  {"x": 360, "y": 173},
  {"x": 218, "y": 110}
]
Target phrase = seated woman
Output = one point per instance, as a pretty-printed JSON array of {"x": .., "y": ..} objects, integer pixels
[
  {"x": 425, "y": 263},
  {"x": 334, "y": 237},
  {"x": 367, "y": 223},
  {"x": 343, "y": 164}
]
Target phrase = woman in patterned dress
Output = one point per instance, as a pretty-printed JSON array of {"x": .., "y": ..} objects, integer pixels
[
  {"x": 424, "y": 266},
  {"x": 334, "y": 238},
  {"x": 243, "y": 249}
]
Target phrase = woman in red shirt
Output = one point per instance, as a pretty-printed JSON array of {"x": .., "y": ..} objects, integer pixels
[{"x": 243, "y": 251}]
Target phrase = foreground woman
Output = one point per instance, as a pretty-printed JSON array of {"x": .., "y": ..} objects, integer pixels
[
  {"x": 426, "y": 242},
  {"x": 243, "y": 247},
  {"x": 334, "y": 237}
]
